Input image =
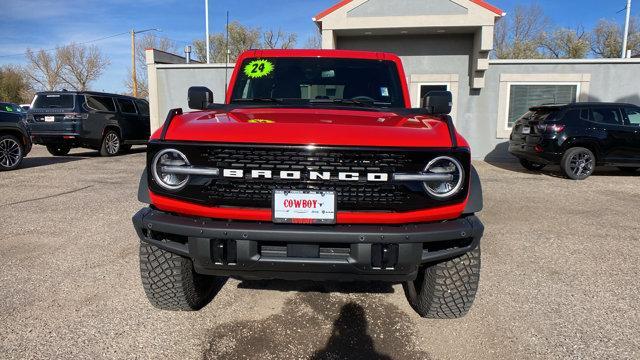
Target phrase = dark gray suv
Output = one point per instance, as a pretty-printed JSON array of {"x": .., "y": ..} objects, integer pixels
[{"x": 109, "y": 123}]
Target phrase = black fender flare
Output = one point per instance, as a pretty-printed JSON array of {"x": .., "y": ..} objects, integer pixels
[
  {"x": 143, "y": 188},
  {"x": 475, "y": 201}
]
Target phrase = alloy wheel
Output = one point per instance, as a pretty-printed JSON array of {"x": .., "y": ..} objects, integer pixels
[
  {"x": 10, "y": 153},
  {"x": 112, "y": 143},
  {"x": 581, "y": 164}
]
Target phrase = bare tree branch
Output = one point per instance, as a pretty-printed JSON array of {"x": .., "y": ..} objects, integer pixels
[
  {"x": 81, "y": 65},
  {"x": 43, "y": 70},
  {"x": 606, "y": 38},
  {"x": 520, "y": 36}
]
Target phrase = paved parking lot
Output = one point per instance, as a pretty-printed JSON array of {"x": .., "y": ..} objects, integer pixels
[{"x": 559, "y": 279}]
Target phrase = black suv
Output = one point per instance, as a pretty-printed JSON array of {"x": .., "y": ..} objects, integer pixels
[
  {"x": 15, "y": 142},
  {"x": 578, "y": 137},
  {"x": 107, "y": 122}
]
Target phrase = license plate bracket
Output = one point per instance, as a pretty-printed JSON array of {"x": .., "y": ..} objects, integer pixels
[{"x": 304, "y": 207}]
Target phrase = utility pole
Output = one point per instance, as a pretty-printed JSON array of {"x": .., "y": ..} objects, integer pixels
[
  {"x": 134, "y": 76},
  {"x": 206, "y": 22},
  {"x": 625, "y": 37}
]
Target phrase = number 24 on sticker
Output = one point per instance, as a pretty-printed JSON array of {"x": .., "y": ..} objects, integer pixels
[{"x": 258, "y": 68}]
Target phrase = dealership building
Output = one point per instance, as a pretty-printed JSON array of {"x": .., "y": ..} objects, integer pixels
[{"x": 444, "y": 45}]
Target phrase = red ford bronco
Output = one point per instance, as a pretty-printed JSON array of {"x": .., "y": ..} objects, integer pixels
[{"x": 317, "y": 168}]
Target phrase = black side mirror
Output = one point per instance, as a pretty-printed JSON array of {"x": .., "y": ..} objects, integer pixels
[
  {"x": 438, "y": 102},
  {"x": 199, "y": 97}
]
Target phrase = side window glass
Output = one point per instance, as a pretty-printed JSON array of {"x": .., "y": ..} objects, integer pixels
[
  {"x": 143, "y": 107},
  {"x": 606, "y": 115},
  {"x": 584, "y": 115},
  {"x": 101, "y": 103},
  {"x": 126, "y": 106},
  {"x": 571, "y": 116},
  {"x": 633, "y": 115}
]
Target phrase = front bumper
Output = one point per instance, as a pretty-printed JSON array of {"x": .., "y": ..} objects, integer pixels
[{"x": 263, "y": 250}]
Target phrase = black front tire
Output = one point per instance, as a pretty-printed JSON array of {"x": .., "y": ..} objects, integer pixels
[
  {"x": 447, "y": 289},
  {"x": 578, "y": 163},
  {"x": 111, "y": 144},
  {"x": 11, "y": 152},
  {"x": 170, "y": 281},
  {"x": 531, "y": 166},
  {"x": 58, "y": 150}
]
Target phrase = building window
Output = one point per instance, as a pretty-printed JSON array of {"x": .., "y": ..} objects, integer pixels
[
  {"x": 524, "y": 96},
  {"x": 426, "y": 88}
]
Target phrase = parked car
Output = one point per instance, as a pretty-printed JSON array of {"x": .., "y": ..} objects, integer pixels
[
  {"x": 15, "y": 141},
  {"x": 578, "y": 137},
  {"x": 13, "y": 108},
  {"x": 316, "y": 167},
  {"x": 109, "y": 123}
]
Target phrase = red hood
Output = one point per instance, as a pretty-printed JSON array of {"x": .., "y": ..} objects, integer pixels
[{"x": 309, "y": 127}]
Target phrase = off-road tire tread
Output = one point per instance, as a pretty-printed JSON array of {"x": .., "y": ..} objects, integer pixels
[
  {"x": 449, "y": 287},
  {"x": 170, "y": 281}
]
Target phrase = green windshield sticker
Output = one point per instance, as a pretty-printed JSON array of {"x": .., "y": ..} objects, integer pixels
[
  {"x": 258, "y": 68},
  {"x": 8, "y": 108}
]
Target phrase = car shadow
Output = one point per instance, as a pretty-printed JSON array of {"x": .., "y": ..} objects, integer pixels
[
  {"x": 500, "y": 158},
  {"x": 323, "y": 287},
  {"x": 95, "y": 153},
  {"x": 38, "y": 161}
]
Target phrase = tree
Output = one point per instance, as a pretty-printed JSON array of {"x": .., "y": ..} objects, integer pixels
[
  {"x": 14, "y": 86},
  {"x": 278, "y": 40},
  {"x": 148, "y": 41},
  {"x": 242, "y": 38},
  {"x": 81, "y": 65},
  {"x": 606, "y": 38},
  {"x": 44, "y": 70},
  {"x": 566, "y": 43},
  {"x": 314, "y": 41},
  {"x": 521, "y": 36}
]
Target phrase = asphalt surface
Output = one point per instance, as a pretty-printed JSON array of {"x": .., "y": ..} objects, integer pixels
[{"x": 559, "y": 279}]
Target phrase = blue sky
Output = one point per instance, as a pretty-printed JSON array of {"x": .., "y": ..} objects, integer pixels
[{"x": 49, "y": 23}]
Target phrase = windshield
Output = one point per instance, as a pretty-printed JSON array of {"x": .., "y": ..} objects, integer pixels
[
  {"x": 317, "y": 81},
  {"x": 54, "y": 101},
  {"x": 9, "y": 107}
]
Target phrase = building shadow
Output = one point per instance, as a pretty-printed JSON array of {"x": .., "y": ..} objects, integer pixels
[{"x": 349, "y": 337}]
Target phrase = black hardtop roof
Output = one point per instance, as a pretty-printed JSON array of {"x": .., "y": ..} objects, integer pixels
[
  {"x": 579, "y": 104},
  {"x": 96, "y": 93}
]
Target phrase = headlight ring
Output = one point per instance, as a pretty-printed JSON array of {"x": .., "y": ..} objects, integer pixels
[
  {"x": 444, "y": 189},
  {"x": 169, "y": 180}
]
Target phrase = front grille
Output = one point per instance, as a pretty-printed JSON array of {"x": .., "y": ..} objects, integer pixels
[{"x": 359, "y": 195}]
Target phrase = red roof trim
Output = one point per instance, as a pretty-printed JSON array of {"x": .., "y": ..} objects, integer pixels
[
  {"x": 345, "y": 2},
  {"x": 331, "y": 9},
  {"x": 489, "y": 7}
]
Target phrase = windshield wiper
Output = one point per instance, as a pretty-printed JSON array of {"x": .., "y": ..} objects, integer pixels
[
  {"x": 363, "y": 103},
  {"x": 269, "y": 100}
]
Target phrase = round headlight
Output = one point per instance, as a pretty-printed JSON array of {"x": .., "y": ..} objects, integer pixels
[
  {"x": 162, "y": 165},
  {"x": 444, "y": 165}
]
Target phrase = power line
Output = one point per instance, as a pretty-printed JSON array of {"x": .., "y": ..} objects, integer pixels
[{"x": 79, "y": 43}]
